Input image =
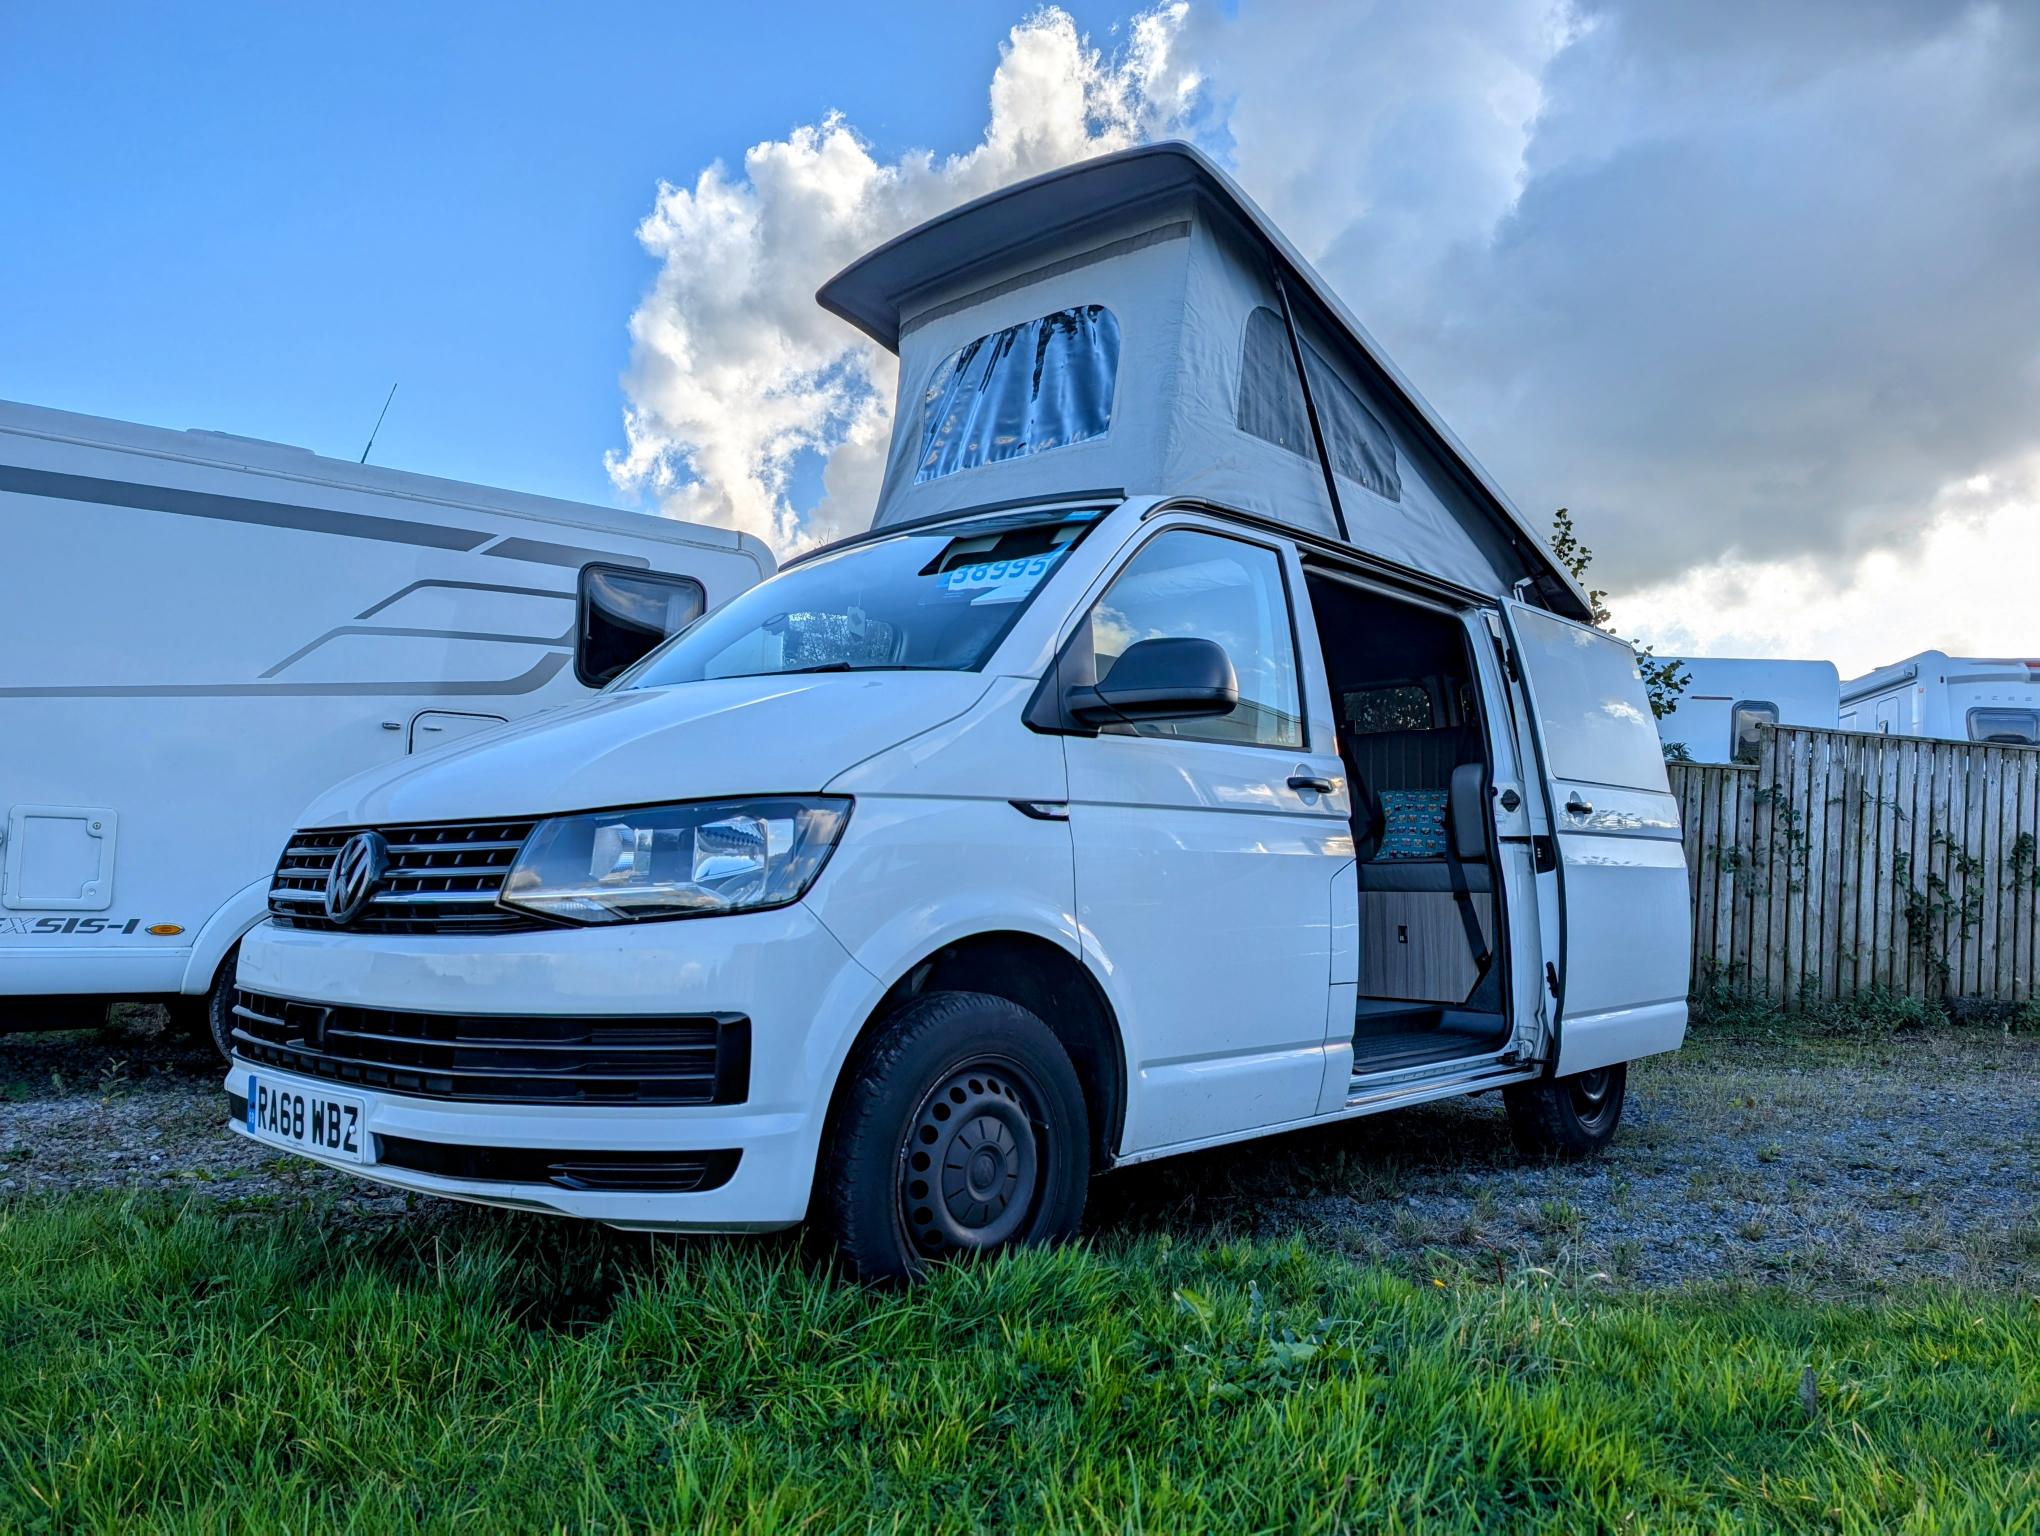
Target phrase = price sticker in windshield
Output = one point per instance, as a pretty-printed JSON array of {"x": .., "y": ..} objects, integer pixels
[{"x": 1001, "y": 581}]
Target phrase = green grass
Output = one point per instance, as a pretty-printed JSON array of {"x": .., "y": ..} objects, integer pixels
[
  {"x": 183, "y": 1367},
  {"x": 1724, "y": 1007}
]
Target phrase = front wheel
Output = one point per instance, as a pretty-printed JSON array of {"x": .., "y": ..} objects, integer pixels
[
  {"x": 210, "y": 1015},
  {"x": 962, "y": 1130},
  {"x": 1567, "y": 1116}
]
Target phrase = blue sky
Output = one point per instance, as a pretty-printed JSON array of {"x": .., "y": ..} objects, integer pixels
[{"x": 255, "y": 218}]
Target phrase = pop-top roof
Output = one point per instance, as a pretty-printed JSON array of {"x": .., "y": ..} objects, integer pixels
[{"x": 1156, "y": 261}]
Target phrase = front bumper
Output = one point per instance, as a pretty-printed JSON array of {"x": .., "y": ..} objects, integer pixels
[{"x": 804, "y": 994}]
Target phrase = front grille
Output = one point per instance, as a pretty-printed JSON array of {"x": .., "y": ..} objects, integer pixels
[
  {"x": 630, "y": 1059},
  {"x": 441, "y": 879}
]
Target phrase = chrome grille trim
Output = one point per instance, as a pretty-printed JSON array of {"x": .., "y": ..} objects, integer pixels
[{"x": 442, "y": 877}]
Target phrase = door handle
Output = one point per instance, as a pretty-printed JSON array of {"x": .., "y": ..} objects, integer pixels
[
  {"x": 1575, "y": 806},
  {"x": 1310, "y": 781}
]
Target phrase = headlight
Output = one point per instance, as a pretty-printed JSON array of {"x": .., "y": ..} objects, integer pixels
[{"x": 675, "y": 860}]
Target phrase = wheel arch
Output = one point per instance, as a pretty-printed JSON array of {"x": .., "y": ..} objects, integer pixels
[
  {"x": 231, "y": 922},
  {"x": 1047, "y": 980}
]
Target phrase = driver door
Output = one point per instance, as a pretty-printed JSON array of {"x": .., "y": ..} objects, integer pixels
[{"x": 1206, "y": 850}]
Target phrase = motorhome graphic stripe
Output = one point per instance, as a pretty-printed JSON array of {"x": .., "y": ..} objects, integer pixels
[
  {"x": 541, "y": 552},
  {"x": 543, "y": 671},
  {"x": 235, "y": 509}
]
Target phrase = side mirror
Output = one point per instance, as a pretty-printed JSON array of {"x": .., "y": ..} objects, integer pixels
[{"x": 1175, "y": 678}]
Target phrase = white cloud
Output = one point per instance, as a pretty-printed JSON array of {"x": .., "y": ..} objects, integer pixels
[
  {"x": 1965, "y": 583},
  {"x": 736, "y": 373},
  {"x": 1750, "y": 287}
]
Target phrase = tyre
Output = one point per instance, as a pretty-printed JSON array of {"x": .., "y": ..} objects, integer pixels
[
  {"x": 210, "y": 1016},
  {"x": 1571, "y": 1116},
  {"x": 961, "y": 1130}
]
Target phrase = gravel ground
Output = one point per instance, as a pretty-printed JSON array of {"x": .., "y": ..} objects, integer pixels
[{"x": 1821, "y": 1163}]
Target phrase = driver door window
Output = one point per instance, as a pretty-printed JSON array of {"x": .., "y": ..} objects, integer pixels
[{"x": 1203, "y": 585}]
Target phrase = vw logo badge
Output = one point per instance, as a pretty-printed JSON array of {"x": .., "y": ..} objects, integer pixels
[{"x": 355, "y": 873}]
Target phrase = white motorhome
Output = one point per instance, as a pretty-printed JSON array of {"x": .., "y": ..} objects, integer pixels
[
  {"x": 1727, "y": 698},
  {"x": 203, "y": 631},
  {"x": 1197, "y": 746},
  {"x": 1951, "y": 698}
]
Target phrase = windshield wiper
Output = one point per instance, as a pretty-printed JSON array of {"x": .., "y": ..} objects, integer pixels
[{"x": 820, "y": 666}]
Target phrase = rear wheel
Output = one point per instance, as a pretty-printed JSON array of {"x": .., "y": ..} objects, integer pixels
[
  {"x": 1567, "y": 1116},
  {"x": 962, "y": 1130}
]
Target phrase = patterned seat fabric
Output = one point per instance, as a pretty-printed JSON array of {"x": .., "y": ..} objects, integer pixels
[{"x": 1413, "y": 824}]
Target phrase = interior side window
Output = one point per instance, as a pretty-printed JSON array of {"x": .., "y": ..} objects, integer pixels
[
  {"x": 1743, "y": 721},
  {"x": 624, "y": 613},
  {"x": 1394, "y": 707},
  {"x": 1202, "y": 585}
]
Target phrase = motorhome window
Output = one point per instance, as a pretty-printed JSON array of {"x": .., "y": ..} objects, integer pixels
[
  {"x": 933, "y": 601},
  {"x": 2006, "y": 727},
  {"x": 1029, "y": 388},
  {"x": 1395, "y": 707},
  {"x": 1215, "y": 588},
  {"x": 1743, "y": 721},
  {"x": 624, "y": 614},
  {"x": 1271, "y": 408}
]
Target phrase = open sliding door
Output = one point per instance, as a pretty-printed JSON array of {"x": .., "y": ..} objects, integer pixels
[{"x": 1625, "y": 923}]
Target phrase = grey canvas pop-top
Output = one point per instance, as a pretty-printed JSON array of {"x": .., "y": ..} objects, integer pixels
[{"x": 1118, "y": 326}]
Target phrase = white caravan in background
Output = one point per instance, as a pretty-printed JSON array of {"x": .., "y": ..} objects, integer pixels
[
  {"x": 203, "y": 631},
  {"x": 1951, "y": 698},
  {"x": 1727, "y": 698},
  {"x": 1198, "y": 746}
]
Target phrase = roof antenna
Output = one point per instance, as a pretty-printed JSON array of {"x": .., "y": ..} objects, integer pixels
[{"x": 378, "y": 423}]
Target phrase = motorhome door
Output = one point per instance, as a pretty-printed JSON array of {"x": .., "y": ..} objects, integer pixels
[{"x": 1625, "y": 924}]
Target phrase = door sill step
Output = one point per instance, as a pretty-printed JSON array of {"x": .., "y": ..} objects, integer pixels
[{"x": 1384, "y": 1089}]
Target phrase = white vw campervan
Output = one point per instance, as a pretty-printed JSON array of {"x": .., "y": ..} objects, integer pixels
[{"x": 1197, "y": 747}]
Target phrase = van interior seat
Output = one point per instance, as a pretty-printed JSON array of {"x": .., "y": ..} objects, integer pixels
[{"x": 1390, "y": 762}]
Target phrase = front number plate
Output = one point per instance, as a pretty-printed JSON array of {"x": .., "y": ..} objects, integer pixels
[{"x": 308, "y": 1120}]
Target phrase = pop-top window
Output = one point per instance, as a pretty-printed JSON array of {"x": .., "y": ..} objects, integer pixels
[
  {"x": 1026, "y": 389},
  {"x": 1271, "y": 408}
]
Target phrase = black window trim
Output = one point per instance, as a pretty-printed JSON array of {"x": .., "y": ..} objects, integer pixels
[
  {"x": 1044, "y": 710},
  {"x": 606, "y": 568}
]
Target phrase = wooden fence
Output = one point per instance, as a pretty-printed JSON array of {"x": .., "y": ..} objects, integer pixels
[{"x": 1844, "y": 862}]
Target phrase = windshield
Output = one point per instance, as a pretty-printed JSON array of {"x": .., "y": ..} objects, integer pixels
[{"x": 935, "y": 601}]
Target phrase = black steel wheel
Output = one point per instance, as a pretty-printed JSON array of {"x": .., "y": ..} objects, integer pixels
[
  {"x": 1571, "y": 1116},
  {"x": 970, "y": 1170},
  {"x": 960, "y": 1128}
]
